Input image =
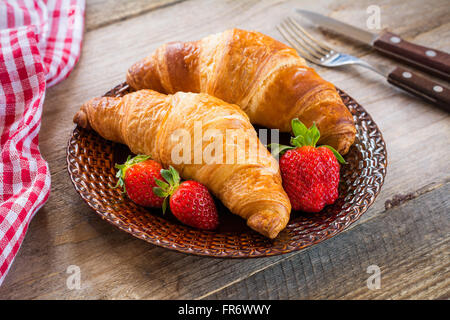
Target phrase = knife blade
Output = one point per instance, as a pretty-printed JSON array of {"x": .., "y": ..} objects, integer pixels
[{"x": 428, "y": 59}]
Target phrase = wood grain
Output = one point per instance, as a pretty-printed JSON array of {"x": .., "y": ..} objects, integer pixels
[
  {"x": 100, "y": 13},
  {"x": 115, "y": 265},
  {"x": 411, "y": 248}
]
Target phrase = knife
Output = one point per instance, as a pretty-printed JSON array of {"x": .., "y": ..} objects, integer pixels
[{"x": 428, "y": 59}]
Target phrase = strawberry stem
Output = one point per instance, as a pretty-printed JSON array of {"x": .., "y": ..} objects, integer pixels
[{"x": 165, "y": 190}]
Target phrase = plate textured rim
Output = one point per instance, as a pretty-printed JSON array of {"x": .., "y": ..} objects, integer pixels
[{"x": 92, "y": 173}]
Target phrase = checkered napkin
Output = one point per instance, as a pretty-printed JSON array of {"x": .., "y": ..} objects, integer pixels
[{"x": 40, "y": 43}]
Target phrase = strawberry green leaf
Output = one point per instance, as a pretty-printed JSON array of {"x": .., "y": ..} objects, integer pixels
[
  {"x": 137, "y": 159},
  {"x": 175, "y": 175},
  {"x": 121, "y": 185},
  {"x": 314, "y": 134},
  {"x": 167, "y": 175},
  {"x": 161, "y": 184},
  {"x": 122, "y": 168},
  {"x": 304, "y": 136},
  {"x": 278, "y": 149},
  {"x": 309, "y": 137},
  {"x": 165, "y": 204},
  {"x": 298, "y": 128},
  {"x": 336, "y": 154},
  {"x": 160, "y": 192},
  {"x": 298, "y": 141},
  {"x": 173, "y": 181}
]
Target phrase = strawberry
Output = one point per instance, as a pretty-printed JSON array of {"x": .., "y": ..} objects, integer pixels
[
  {"x": 310, "y": 174},
  {"x": 137, "y": 177},
  {"x": 190, "y": 201}
]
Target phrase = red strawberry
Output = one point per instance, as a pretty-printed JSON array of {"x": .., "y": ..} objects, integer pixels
[
  {"x": 190, "y": 201},
  {"x": 137, "y": 177},
  {"x": 310, "y": 174}
]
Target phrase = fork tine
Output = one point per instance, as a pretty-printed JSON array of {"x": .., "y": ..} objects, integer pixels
[
  {"x": 292, "y": 42},
  {"x": 321, "y": 46},
  {"x": 287, "y": 34},
  {"x": 302, "y": 42}
]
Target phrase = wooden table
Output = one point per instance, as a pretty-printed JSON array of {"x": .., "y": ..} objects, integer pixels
[{"x": 407, "y": 237}]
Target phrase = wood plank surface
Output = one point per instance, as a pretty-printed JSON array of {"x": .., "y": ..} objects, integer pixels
[
  {"x": 100, "y": 13},
  {"x": 411, "y": 248},
  {"x": 115, "y": 265}
]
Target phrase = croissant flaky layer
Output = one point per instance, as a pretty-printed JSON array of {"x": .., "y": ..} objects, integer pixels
[
  {"x": 196, "y": 133},
  {"x": 266, "y": 78}
]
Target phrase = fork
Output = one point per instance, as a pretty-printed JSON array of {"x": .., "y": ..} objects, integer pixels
[{"x": 321, "y": 54}]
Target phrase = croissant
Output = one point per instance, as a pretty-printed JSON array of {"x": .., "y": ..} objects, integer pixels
[
  {"x": 266, "y": 78},
  {"x": 164, "y": 125}
]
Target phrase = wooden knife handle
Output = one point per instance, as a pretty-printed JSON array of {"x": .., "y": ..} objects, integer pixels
[
  {"x": 428, "y": 59},
  {"x": 422, "y": 87}
]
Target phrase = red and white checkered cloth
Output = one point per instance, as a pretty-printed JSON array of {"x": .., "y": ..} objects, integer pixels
[{"x": 39, "y": 45}]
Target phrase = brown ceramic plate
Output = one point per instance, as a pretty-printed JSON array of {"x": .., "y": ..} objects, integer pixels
[{"x": 91, "y": 159}]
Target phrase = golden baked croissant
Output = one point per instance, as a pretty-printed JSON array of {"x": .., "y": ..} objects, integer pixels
[
  {"x": 266, "y": 78},
  {"x": 153, "y": 123}
]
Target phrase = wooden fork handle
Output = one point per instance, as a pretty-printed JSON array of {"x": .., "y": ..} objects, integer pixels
[
  {"x": 420, "y": 86},
  {"x": 430, "y": 60}
]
